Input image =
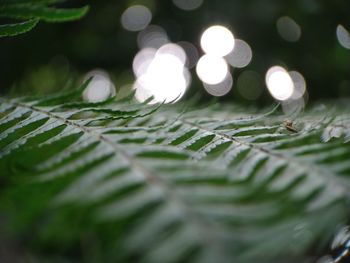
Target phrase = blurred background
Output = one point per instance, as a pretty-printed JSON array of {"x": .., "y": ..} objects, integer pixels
[{"x": 250, "y": 52}]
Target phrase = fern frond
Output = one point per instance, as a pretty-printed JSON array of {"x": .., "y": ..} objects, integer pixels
[
  {"x": 47, "y": 14},
  {"x": 17, "y": 28},
  {"x": 155, "y": 184},
  {"x": 34, "y": 11}
]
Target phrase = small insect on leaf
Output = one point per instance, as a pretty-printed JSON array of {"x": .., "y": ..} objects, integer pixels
[{"x": 289, "y": 126}]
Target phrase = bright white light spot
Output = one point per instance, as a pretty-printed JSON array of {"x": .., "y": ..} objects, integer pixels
[
  {"x": 188, "y": 5},
  {"x": 343, "y": 36},
  {"x": 142, "y": 60},
  {"x": 221, "y": 88},
  {"x": 299, "y": 85},
  {"x": 249, "y": 85},
  {"x": 288, "y": 29},
  {"x": 191, "y": 53},
  {"x": 165, "y": 78},
  {"x": 175, "y": 50},
  {"x": 152, "y": 36},
  {"x": 136, "y": 18},
  {"x": 100, "y": 87},
  {"x": 279, "y": 83},
  {"x": 241, "y": 55},
  {"x": 167, "y": 89},
  {"x": 165, "y": 64},
  {"x": 211, "y": 69},
  {"x": 217, "y": 41}
]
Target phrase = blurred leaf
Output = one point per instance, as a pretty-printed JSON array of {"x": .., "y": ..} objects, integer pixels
[
  {"x": 118, "y": 181},
  {"x": 36, "y": 10},
  {"x": 18, "y": 28},
  {"x": 30, "y": 2},
  {"x": 47, "y": 14}
]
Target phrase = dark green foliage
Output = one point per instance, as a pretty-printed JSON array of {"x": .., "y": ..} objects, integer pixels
[
  {"x": 32, "y": 12},
  {"x": 118, "y": 181},
  {"x": 17, "y": 28}
]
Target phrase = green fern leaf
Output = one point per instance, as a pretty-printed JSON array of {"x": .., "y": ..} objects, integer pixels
[
  {"x": 117, "y": 181},
  {"x": 30, "y": 2},
  {"x": 17, "y": 28},
  {"x": 33, "y": 12},
  {"x": 47, "y": 14}
]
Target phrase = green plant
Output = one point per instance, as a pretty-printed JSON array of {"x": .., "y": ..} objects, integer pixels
[
  {"x": 118, "y": 181},
  {"x": 32, "y": 11}
]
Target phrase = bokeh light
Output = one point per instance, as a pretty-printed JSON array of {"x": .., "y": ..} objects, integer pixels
[
  {"x": 175, "y": 50},
  {"x": 100, "y": 87},
  {"x": 142, "y": 60},
  {"x": 136, "y": 18},
  {"x": 217, "y": 40},
  {"x": 241, "y": 55},
  {"x": 343, "y": 36},
  {"x": 161, "y": 74},
  {"x": 288, "y": 29},
  {"x": 165, "y": 62},
  {"x": 188, "y": 5},
  {"x": 221, "y": 88},
  {"x": 249, "y": 85},
  {"x": 211, "y": 69},
  {"x": 279, "y": 83},
  {"x": 163, "y": 89},
  {"x": 299, "y": 85},
  {"x": 152, "y": 36},
  {"x": 191, "y": 53}
]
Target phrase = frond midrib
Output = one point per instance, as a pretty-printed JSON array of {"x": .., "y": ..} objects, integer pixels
[
  {"x": 202, "y": 225},
  {"x": 324, "y": 173}
]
